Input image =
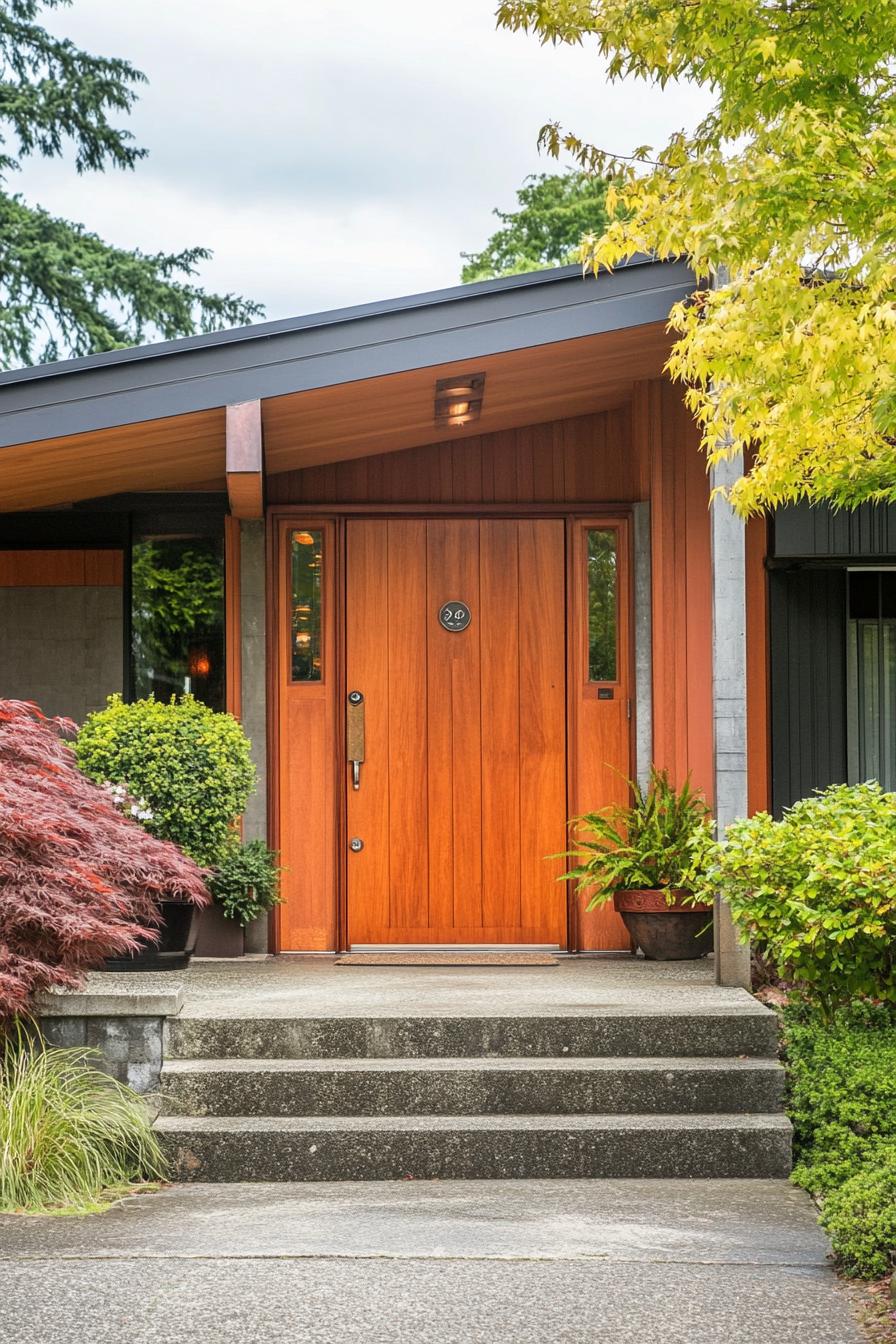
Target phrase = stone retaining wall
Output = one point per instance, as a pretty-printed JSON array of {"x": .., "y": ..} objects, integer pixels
[{"x": 126, "y": 1027}]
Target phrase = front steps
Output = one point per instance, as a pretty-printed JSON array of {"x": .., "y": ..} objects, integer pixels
[{"x": 331, "y": 1099}]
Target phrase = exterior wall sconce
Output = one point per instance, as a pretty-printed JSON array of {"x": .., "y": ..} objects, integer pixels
[{"x": 459, "y": 399}]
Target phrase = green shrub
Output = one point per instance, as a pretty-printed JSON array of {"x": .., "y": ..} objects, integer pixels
[
  {"x": 860, "y": 1219},
  {"x": 70, "y": 1136},
  {"x": 649, "y": 845},
  {"x": 816, "y": 891},
  {"x": 190, "y": 764},
  {"x": 245, "y": 882},
  {"x": 842, "y": 1101},
  {"x": 842, "y": 1091}
]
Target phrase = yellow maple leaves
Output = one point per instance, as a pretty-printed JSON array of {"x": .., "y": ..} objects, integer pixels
[{"x": 783, "y": 200}]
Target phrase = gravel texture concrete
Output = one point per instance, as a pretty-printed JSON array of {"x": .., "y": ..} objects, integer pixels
[
  {"x": 314, "y": 987},
  {"x": 625, "y": 1033},
  {"x": 505, "y": 1086},
  {"x": 701, "y": 1262},
  {"x": 493, "y": 1147}
]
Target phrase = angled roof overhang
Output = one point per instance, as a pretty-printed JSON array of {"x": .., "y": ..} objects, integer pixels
[{"x": 335, "y": 385}]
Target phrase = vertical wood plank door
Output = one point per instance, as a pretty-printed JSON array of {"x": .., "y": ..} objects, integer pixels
[{"x": 463, "y": 790}]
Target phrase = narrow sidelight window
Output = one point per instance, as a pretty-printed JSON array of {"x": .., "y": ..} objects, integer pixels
[
  {"x": 602, "y": 559},
  {"x": 306, "y": 556}
]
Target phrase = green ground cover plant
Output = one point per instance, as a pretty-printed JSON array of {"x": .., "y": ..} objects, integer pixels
[
  {"x": 815, "y": 892},
  {"x": 842, "y": 1102},
  {"x": 71, "y": 1138}
]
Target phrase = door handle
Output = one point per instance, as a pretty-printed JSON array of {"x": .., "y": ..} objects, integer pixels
[{"x": 354, "y": 735}]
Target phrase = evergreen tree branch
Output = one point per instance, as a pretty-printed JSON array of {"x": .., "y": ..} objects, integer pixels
[{"x": 63, "y": 288}]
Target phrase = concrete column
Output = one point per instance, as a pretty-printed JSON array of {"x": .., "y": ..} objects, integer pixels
[
  {"x": 253, "y": 692},
  {"x": 729, "y": 699},
  {"x": 643, "y": 644}
]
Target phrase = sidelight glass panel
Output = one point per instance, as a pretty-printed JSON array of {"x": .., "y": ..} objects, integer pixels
[
  {"x": 602, "y": 556},
  {"x": 871, "y": 677},
  {"x": 306, "y": 556}
]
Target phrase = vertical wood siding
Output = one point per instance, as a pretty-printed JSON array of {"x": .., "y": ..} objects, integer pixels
[{"x": 587, "y": 458}]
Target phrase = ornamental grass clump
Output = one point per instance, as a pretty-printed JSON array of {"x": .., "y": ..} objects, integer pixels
[
  {"x": 816, "y": 892},
  {"x": 189, "y": 764},
  {"x": 71, "y": 1137},
  {"x": 79, "y": 881}
]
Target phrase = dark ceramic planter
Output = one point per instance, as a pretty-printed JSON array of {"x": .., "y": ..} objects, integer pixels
[
  {"x": 218, "y": 935},
  {"x": 177, "y": 938},
  {"x": 665, "y": 932}
]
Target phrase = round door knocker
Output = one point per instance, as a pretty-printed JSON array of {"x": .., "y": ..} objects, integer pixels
[{"x": 454, "y": 615}]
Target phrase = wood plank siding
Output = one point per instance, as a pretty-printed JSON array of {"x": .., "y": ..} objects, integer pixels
[
  {"x": 587, "y": 458},
  {"x": 61, "y": 569}
]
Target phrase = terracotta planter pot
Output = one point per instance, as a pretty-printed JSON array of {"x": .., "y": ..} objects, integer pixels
[
  {"x": 663, "y": 931},
  {"x": 180, "y": 923},
  {"x": 218, "y": 935}
]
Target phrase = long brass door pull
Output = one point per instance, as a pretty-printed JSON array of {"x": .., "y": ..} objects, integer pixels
[{"x": 354, "y": 735}]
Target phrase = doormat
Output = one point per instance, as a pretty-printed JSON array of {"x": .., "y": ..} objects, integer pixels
[{"x": 446, "y": 959}]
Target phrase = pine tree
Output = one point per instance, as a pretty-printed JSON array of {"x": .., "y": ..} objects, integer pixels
[{"x": 64, "y": 290}]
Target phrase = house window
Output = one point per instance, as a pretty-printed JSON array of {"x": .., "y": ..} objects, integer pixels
[
  {"x": 306, "y": 559},
  {"x": 871, "y": 677},
  {"x": 602, "y": 547},
  {"x": 177, "y": 615}
]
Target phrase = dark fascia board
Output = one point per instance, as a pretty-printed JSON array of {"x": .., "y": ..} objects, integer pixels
[{"x": 276, "y": 358}]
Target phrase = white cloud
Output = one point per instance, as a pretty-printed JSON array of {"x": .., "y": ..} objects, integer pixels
[{"x": 333, "y": 152}]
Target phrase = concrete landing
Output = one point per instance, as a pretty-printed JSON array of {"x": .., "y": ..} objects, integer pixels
[
  {"x": 313, "y": 986},
  {"x": 632, "y": 1262}
]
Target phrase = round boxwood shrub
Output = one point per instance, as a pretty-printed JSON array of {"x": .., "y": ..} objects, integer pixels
[
  {"x": 816, "y": 891},
  {"x": 190, "y": 764}
]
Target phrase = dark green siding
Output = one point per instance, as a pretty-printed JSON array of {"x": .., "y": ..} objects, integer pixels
[{"x": 807, "y": 615}]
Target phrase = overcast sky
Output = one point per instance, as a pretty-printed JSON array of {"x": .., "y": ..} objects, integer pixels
[{"x": 333, "y": 151}]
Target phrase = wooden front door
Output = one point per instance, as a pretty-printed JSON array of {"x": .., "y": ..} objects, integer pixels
[{"x": 462, "y": 790}]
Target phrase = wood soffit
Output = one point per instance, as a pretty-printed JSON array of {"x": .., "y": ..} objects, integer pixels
[{"x": 331, "y": 424}]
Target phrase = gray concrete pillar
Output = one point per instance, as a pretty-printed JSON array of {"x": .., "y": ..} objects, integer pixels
[
  {"x": 643, "y": 644},
  {"x": 253, "y": 683},
  {"x": 729, "y": 699}
]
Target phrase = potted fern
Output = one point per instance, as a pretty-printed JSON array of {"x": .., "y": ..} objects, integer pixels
[
  {"x": 644, "y": 858},
  {"x": 244, "y": 885}
]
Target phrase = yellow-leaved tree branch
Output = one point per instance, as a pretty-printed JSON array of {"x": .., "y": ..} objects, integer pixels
[{"x": 783, "y": 201}]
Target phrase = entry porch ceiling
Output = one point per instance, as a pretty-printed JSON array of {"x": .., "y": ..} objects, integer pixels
[
  {"x": 334, "y": 423},
  {"x": 522, "y": 387}
]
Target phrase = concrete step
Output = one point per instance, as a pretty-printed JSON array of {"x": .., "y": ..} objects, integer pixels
[
  {"x": 366, "y": 1148},
  {"x": 505, "y": 1086},
  {"x": 751, "y": 1031}
]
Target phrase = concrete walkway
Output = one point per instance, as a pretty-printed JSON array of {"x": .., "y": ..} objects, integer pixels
[{"x": 632, "y": 1262}]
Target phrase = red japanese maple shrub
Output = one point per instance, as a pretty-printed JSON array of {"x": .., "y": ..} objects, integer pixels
[{"x": 79, "y": 881}]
